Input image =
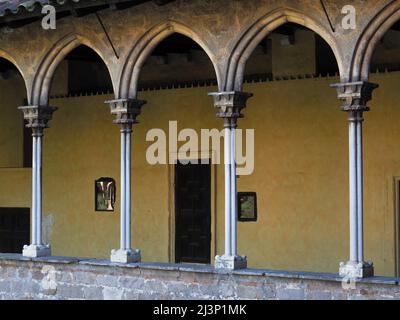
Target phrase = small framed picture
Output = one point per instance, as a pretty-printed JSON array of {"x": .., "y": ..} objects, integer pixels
[
  {"x": 105, "y": 193},
  {"x": 247, "y": 206}
]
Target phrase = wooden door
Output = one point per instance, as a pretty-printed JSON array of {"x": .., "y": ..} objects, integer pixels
[{"x": 193, "y": 213}]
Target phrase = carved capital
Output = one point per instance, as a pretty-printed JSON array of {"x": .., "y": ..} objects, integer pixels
[
  {"x": 125, "y": 111},
  {"x": 37, "y": 117},
  {"x": 355, "y": 95},
  {"x": 230, "y": 104}
]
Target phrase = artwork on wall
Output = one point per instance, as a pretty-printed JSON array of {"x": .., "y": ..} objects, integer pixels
[
  {"x": 247, "y": 206},
  {"x": 105, "y": 193}
]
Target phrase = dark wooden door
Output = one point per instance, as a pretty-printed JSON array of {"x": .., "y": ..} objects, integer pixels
[
  {"x": 14, "y": 229},
  {"x": 192, "y": 213}
]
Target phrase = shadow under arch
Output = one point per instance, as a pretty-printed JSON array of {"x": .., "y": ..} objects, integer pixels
[
  {"x": 369, "y": 39},
  {"x": 4, "y": 55},
  {"x": 259, "y": 30},
  {"x": 142, "y": 49},
  {"x": 44, "y": 75}
]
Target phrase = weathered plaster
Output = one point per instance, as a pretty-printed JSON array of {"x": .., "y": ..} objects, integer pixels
[{"x": 228, "y": 38}]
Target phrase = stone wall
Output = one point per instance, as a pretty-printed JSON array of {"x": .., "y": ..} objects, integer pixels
[
  {"x": 136, "y": 30},
  {"x": 70, "y": 278}
]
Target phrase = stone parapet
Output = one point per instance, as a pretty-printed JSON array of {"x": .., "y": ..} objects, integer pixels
[{"x": 72, "y": 278}]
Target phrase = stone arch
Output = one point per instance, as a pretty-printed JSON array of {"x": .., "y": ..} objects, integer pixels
[
  {"x": 369, "y": 39},
  {"x": 259, "y": 30},
  {"x": 5, "y": 55},
  {"x": 48, "y": 65},
  {"x": 143, "y": 48}
]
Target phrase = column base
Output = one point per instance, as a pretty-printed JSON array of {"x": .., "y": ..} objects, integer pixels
[
  {"x": 354, "y": 270},
  {"x": 36, "y": 251},
  {"x": 125, "y": 256},
  {"x": 230, "y": 262}
]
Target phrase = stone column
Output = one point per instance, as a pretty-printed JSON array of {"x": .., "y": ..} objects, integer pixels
[
  {"x": 125, "y": 112},
  {"x": 229, "y": 106},
  {"x": 354, "y": 97},
  {"x": 37, "y": 118}
]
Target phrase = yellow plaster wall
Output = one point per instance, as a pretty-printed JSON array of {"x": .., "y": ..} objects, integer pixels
[
  {"x": 293, "y": 59},
  {"x": 300, "y": 176},
  {"x": 59, "y": 84},
  {"x": 12, "y": 96}
]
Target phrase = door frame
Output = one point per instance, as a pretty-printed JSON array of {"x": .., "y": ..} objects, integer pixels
[{"x": 171, "y": 201}]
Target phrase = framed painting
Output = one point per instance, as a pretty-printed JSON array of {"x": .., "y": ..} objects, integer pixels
[
  {"x": 105, "y": 194},
  {"x": 247, "y": 206}
]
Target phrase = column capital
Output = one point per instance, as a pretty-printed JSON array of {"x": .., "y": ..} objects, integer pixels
[
  {"x": 37, "y": 117},
  {"x": 125, "y": 111},
  {"x": 230, "y": 104},
  {"x": 355, "y": 95}
]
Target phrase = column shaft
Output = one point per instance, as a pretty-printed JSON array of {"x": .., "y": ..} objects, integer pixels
[
  {"x": 123, "y": 191},
  {"x": 360, "y": 197},
  {"x": 128, "y": 190},
  {"x": 233, "y": 192},
  {"x": 39, "y": 190},
  {"x": 34, "y": 191},
  {"x": 227, "y": 158},
  {"x": 353, "y": 187}
]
